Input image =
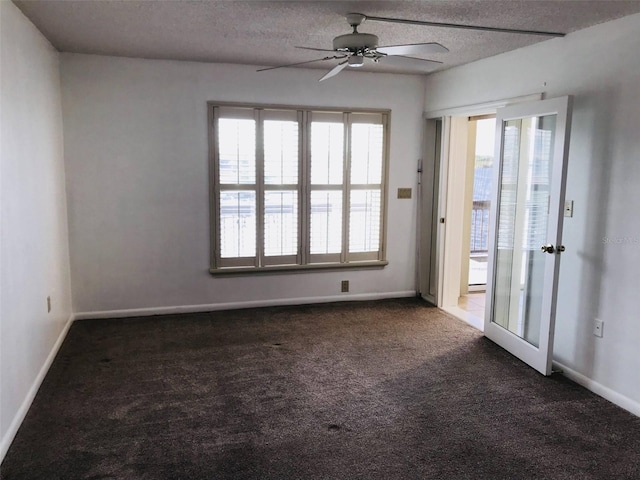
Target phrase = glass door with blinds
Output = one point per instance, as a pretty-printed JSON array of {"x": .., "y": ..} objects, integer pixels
[{"x": 526, "y": 241}]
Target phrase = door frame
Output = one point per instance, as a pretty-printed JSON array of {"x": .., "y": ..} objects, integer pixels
[{"x": 436, "y": 207}]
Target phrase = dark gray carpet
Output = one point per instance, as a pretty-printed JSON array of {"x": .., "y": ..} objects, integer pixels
[{"x": 374, "y": 390}]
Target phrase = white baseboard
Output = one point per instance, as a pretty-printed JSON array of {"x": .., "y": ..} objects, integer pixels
[
  {"x": 605, "y": 392},
  {"x": 142, "y": 312},
  {"x": 10, "y": 434}
]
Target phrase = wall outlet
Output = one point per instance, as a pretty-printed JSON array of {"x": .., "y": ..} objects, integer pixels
[
  {"x": 48, "y": 304},
  {"x": 598, "y": 327},
  {"x": 344, "y": 286}
]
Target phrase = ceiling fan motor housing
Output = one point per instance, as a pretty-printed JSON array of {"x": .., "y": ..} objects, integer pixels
[{"x": 355, "y": 42}]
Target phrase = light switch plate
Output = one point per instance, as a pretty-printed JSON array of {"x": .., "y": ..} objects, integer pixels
[
  {"x": 404, "y": 193},
  {"x": 568, "y": 208},
  {"x": 598, "y": 327}
]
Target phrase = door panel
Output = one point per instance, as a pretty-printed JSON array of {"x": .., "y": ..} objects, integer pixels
[
  {"x": 428, "y": 218},
  {"x": 531, "y": 145}
]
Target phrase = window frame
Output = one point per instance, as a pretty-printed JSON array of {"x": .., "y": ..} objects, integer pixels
[{"x": 304, "y": 260}]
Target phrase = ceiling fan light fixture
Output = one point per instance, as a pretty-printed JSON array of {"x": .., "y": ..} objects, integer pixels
[{"x": 356, "y": 61}]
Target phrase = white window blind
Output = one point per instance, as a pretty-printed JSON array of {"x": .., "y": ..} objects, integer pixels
[
  {"x": 237, "y": 224},
  {"x": 326, "y": 222},
  {"x": 535, "y": 184},
  {"x": 327, "y": 153},
  {"x": 280, "y": 152},
  {"x": 366, "y": 153},
  {"x": 296, "y": 187},
  {"x": 365, "y": 200},
  {"x": 364, "y": 221},
  {"x": 237, "y": 140},
  {"x": 280, "y": 223}
]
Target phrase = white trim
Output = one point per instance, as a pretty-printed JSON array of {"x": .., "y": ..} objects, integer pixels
[
  {"x": 10, "y": 434},
  {"x": 620, "y": 400},
  {"x": 454, "y": 211},
  {"x": 482, "y": 108},
  {"x": 481, "y": 287},
  {"x": 443, "y": 197},
  {"x": 143, "y": 312}
]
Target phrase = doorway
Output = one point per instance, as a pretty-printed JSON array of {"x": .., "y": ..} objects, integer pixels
[
  {"x": 528, "y": 205},
  {"x": 477, "y": 205},
  {"x": 453, "y": 230},
  {"x": 456, "y": 180}
]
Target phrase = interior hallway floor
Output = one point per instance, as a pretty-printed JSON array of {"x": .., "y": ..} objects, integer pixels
[{"x": 473, "y": 303}]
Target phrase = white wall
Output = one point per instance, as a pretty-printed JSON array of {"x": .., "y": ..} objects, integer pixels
[
  {"x": 137, "y": 162},
  {"x": 34, "y": 240},
  {"x": 600, "y": 66}
]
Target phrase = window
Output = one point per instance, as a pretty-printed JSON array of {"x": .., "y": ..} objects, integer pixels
[{"x": 296, "y": 188}]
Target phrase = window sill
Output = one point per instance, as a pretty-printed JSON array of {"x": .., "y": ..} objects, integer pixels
[{"x": 275, "y": 269}]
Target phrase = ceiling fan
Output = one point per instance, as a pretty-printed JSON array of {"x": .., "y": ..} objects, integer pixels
[{"x": 353, "y": 48}]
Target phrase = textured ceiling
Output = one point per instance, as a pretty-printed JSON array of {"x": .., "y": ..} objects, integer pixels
[{"x": 266, "y": 33}]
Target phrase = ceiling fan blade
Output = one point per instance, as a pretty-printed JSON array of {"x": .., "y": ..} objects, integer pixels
[
  {"x": 467, "y": 27},
  {"x": 301, "y": 63},
  {"x": 410, "y": 62},
  {"x": 413, "y": 49},
  {"x": 316, "y": 49},
  {"x": 335, "y": 70}
]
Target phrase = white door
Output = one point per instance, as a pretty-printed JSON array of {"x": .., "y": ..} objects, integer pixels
[{"x": 532, "y": 143}]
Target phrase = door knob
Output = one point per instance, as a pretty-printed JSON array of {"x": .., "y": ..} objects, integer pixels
[
  {"x": 551, "y": 249},
  {"x": 548, "y": 248}
]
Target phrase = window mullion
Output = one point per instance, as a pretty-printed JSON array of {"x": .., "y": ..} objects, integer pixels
[
  {"x": 384, "y": 190},
  {"x": 238, "y": 186},
  {"x": 214, "y": 178},
  {"x": 304, "y": 179},
  {"x": 259, "y": 187},
  {"x": 346, "y": 180},
  {"x": 279, "y": 186}
]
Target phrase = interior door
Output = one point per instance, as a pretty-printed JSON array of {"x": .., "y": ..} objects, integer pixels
[
  {"x": 428, "y": 218},
  {"x": 532, "y": 143}
]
